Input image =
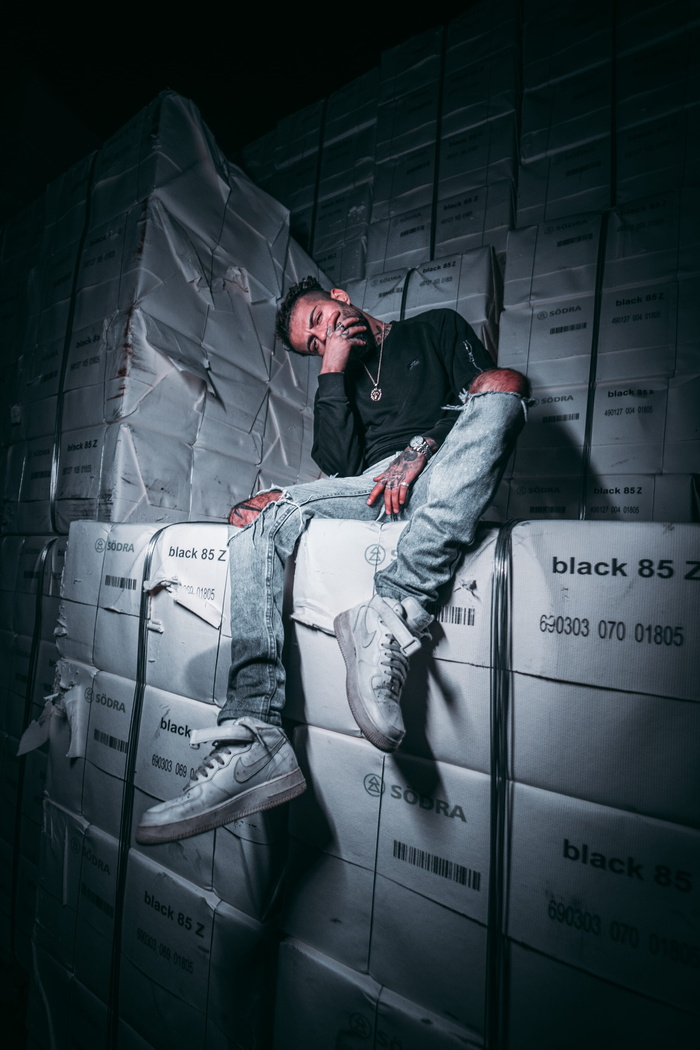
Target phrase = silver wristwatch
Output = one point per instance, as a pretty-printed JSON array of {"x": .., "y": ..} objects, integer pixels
[{"x": 419, "y": 444}]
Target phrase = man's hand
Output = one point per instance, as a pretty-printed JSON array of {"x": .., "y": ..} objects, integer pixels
[
  {"x": 397, "y": 479},
  {"x": 349, "y": 332},
  {"x": 248, "y": 509}
]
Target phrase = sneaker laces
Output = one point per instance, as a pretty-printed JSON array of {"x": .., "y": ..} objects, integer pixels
[
  {"x": 211, "y": 763},
  {"x": 241, "y": 732},
  {"x": 396, "y": 663}
]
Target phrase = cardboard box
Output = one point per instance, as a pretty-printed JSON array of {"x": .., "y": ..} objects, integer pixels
[
  {"x": 681, "y": 438},
  {"x": 676, "y": 498},
  {"x": 551, "y": 261},
  {"x": 354, "y": 105},
  {"x": 545, "y": 498},
  {"x": 606, "y": 746},
  {"x": 151, "y": 1012},
  {"x": 328, "y": 1001},
  {"x": 572, "y": 585},
  {"x": 652, "y": 238},
  {"x": 607, "y": 891},
  {"x": 628, "y": 427},
  {"x": 546, "y": 1003},
  {"x": 480, "y": 31},
  {"x": 404, "y": 182},
  {"x": 478, "y": 90},
  {"x": 654, "y": 155},
  {"x": 621, "y": 497},
  {"x": 167, "y": 929},
  {"x": 328, "y": 905},
  {"x": 437, "y": 960},
  {"x": 348, "y": 162},
  {"x": 565, "y": 183},
  {"x": 551, "y": 342},
  {"x": 560, "y": 40},
  {"x": 478, "y": 216},
  {"x": 555, "y": 431},
  {"x": 465, "y": 283},
  {"x": 638, "y": 331},
  {"x": 75, "y": 631},
  {"x": 339, "y": 812},
  {"x": 249, "y": 862},
  {"x": 560, "y": 114},
  {"x": 380, "y": 295},
  {"x": 402, "y": 241},
  {"x": 411, "y": 64},
  {"x": 434, "y": 833},
  {"x": 321, "y": 997},
  {"x": 477, "y": 156},
  {"x": 96, "y": 911},
  {"x": 407, "y": 122},
  {"x": 346, "y": 261},
  {"x": 165, "y": 760}
]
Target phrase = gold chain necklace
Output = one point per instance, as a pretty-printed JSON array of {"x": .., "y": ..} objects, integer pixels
[{"x": 376, "y": 393}]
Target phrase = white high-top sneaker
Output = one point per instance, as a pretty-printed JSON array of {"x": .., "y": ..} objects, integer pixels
[
  {"x": 251, "y": 767},
  {"x": 376, "y": 639}
]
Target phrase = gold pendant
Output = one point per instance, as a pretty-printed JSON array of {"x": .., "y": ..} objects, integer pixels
[{"x": 376, "y": 394}]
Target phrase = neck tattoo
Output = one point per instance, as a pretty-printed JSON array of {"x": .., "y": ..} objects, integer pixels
[{"x": 376, "y": 393}]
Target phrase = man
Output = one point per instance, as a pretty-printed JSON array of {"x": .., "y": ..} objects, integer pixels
[{"x": 382, "y": 387}]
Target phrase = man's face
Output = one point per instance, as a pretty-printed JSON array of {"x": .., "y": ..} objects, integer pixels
[{"x": 313, "y": 316}]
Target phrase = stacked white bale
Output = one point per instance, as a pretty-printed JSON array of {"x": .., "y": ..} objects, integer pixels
[
  {"x": 343, "y": 196},
  {"x": 446, "y": 142},
  {"x": 192, "y": 918},
  {"x": 147, "y": 360},
  {"x": 288, "y": 166},
  {"x": 565, "y": 136},
  {"x": 378, "y": 838},
  {"x": 602, "y": 833},
  {"x": 658, "y": 99},
  {"x": 413, "y": 160},
  {"x": 630, "y": 303},
  {"x": 143, "y": 382},
  {"x": 603, "y": 829}
]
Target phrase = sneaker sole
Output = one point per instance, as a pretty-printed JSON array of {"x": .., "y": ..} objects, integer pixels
[
  {"x": 254, "y": 800},
  {"x": 346, "y": 641}
]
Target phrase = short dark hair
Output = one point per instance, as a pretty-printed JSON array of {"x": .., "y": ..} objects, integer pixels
[{"x": 284, "y": 312}]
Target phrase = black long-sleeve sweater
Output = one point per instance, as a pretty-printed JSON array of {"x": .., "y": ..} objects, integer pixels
[{"x": 427, "y": 362}]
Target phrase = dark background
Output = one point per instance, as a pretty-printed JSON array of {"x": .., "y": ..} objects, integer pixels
[{"x": 70, "y": 80}]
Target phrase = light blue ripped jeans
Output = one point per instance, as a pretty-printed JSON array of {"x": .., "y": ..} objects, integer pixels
[{"x": 444, "y": 508}]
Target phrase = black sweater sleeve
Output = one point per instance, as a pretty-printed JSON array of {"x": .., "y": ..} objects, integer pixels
[{"x": 338, "y": 446}]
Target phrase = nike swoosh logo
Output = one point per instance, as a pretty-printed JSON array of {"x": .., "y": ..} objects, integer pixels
[{"x": 245, "y": 770}]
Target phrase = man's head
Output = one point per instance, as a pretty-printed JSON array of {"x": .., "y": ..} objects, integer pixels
[{"x": 307, "y": 312}]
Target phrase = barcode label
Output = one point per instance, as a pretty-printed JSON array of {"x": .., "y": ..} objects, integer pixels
[
  {"x": 124, "y": 582},
  {"x": 461, "y": 615},
  {"x": 110, "y": 741},
  {"x": 547, "y": 510},
  {"x": 560, "y": 419},
  {"x": 574, "y": 240},
  {"x": 568, "y": 328},
  {"x": 98, "y": 901},
  {"x": 446, "y": 869}
]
